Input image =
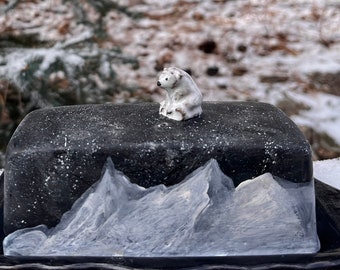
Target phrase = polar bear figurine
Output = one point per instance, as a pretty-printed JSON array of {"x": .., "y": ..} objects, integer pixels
[{"x": 183, "y": 98}]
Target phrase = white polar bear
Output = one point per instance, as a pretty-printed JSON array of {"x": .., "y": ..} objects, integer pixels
[{"x": 183, "y": 98}]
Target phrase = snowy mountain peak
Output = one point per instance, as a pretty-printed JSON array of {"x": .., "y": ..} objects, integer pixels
[{"x": 204, "y": 215}]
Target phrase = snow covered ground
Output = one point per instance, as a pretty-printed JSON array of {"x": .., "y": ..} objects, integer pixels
[
  {"x": 283, "y": 52},
  {"x": 328, "y": 171}
]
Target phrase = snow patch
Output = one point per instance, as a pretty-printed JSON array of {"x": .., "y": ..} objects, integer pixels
[
  {"x": 17, "y": 61},
  {"x": 325, "y": 62},
  {"x": 328, "y": 172},
  {"x": 323, "y": 115}
]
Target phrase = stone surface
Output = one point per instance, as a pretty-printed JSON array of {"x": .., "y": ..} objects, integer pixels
[{"x": 57, "y": 153}]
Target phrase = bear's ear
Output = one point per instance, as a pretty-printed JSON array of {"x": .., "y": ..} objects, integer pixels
[{"x": 177, "y": 73}]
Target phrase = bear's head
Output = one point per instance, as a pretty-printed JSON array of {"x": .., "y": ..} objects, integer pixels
[{"x": 169, "y": 78}]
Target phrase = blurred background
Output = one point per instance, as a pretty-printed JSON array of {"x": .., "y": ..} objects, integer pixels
[{"x": 64, "y": 52}]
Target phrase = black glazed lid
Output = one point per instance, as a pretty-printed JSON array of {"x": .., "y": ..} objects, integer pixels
[{"x": 57, "y": 153}]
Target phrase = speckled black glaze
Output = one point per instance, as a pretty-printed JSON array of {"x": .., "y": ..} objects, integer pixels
[{"x": 57, "y": 153}]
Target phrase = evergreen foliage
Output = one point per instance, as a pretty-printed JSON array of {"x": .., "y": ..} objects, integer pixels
[{"x": 36, "y": 74}]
